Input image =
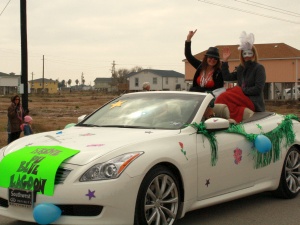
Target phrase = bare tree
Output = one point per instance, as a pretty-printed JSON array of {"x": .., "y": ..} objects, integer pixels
[
  {"x": 136, "y": 69},
  {"x": 120, "y": 76}
]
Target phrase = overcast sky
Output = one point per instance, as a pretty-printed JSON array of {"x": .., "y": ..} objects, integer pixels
[{"x": 86, "y": 36}]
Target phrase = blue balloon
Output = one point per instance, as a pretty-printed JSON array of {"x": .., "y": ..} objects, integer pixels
[
  {"x": 262, "y": 143},
  {"x": 46, "y": 213}
]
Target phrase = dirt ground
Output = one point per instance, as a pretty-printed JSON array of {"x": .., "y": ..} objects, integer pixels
[{"x": 53, "y": 112}]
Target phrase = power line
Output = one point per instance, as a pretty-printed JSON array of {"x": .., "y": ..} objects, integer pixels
[
  {"x": 246, "y": 11},
  {"x": 5, "y": 7},
  {"x": 274, "y": 7}
]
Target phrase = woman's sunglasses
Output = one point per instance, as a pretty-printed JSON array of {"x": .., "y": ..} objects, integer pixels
[{"x": 211, "y": 57}]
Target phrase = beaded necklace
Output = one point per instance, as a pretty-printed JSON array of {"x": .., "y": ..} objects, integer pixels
[{"x": 205, "y": 78}]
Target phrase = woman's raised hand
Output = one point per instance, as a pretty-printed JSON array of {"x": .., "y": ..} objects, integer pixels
[
  {"x": 190, "y": 35},
  {"x": 226, "y": 54}
]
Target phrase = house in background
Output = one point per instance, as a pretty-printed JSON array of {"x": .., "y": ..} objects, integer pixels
[
  {"x": 281, "y": 62},
  {"x": 79, "y": 87},
  {"x": 43, "y": 85},
  {"x": 105, "y": 84},
  {"x": 167, "y": 80},
  {"x": 9, "y": 83}
]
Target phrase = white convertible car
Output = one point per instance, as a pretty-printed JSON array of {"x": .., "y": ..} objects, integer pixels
[{"x": 148, "y": 158}]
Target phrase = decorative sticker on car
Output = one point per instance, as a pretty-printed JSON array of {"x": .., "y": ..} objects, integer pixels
[
  {"x": 91, "y": 194},
  {"x": 87, "y": 134},
  {"x": 184, "y": 152},
  {"x": 237, "y": 154},
  {"x": 95, "y": 145},
  {"x": 33, "y": 168},
  {"x": 207, "y": 182},
  {"x": 117, "y": 104}
]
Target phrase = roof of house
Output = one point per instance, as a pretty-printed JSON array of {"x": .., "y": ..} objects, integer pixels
[
  {"x": 161, "y": 73},
  {"x": 7, "y": 75},
  {"x": 3, "y": 74},
  {"x": 103, "y": 79},
  {"x": 265, "y": 51},
  {"x": 41, "y": 80}
]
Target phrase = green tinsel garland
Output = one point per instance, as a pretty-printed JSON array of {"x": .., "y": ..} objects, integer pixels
[
  {"x": 201, "y": 129},
  {"x": 283, "y": 131}
]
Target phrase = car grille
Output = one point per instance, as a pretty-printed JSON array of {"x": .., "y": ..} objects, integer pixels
[
  {"x": 80, "y": 210},
  {"x": 61, "y": 175},
  {"x": 70, "y": 210},
  {"x": 3, "y": 203}
]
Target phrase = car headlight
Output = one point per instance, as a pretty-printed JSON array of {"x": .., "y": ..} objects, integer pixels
[{"x": 111, "y": 169}]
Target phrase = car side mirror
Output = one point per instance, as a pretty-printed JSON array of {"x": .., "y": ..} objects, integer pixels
[
  {"x": 80, "y": 118},
  {"x": 216, "y": 124}
]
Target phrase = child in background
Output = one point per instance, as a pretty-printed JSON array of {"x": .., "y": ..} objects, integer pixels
[{"x": 26, "y": 126}]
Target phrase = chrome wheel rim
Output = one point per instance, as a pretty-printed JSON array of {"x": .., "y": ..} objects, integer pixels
[
  {"x": 292, "y": 171},
  {"x": 161, "y": 201}
]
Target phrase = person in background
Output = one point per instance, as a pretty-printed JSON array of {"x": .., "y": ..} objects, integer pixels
[
  {"x": 26, "y": 126},
  {"x": 15, "y": 114},
  {"x": 251, "y": 79},
  {"x": 146, "y": 86},
  {"x": 208, "y": 76}
]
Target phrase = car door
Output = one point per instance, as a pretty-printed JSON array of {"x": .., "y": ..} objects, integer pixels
[{"x": 234, "y": 169}]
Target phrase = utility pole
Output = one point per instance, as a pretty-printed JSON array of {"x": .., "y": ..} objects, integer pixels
[
  {"x": 113, "y": 75},
  {"x": 113, "y": 69},
  {"x": 31, "y": 82},
  {"x": 82, "y": 78},
  {"x": 43, "y": 73},
  {"x": 24, "y": 54}
]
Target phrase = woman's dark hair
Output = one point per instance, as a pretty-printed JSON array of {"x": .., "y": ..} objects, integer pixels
[
  {"x": 14, "y": 98},
  {"x": 205, "y": 65}
]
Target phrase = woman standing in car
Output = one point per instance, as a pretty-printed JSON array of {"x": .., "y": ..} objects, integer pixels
[
  {"x": 208, "y": 76},
  {"x": 250, "y": 76}
]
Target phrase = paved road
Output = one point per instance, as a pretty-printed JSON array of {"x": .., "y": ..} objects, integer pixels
[{"x": 261, "y": 209}]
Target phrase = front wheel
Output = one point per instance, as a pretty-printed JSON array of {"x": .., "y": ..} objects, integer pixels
[
  {"x": 158, "y": 199},
  {"x": 289, "y": 186}
]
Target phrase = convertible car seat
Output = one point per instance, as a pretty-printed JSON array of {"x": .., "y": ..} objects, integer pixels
[{"x": 221, "y": 110}]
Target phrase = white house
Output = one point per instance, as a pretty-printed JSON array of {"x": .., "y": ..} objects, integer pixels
[
  {"x": 9, "y": 83},
  {"x": 168, "y": 80},
  {"x": 104, "y": 84}
]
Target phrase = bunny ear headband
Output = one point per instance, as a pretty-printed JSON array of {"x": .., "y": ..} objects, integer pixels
[{"x": 247, "y": 41}]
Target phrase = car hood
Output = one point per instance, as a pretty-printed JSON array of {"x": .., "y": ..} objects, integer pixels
[{"x": 92, "y": 142}]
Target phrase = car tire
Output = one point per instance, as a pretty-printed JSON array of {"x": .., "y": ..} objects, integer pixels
[
  {"x": 289, "y": 185},
  {"x": 158, "y": 200}
]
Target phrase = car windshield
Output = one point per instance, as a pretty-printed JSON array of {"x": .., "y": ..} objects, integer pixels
[{"x": 147, "y": 110}]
